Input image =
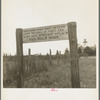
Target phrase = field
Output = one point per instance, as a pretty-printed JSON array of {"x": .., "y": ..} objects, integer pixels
[{"x": 57, "y": 74}]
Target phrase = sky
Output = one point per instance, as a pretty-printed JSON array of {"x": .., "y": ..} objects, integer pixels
[{"x": 36, "y": 13}]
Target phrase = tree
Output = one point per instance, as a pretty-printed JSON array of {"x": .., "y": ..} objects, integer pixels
[
  {"x": 87, "y": 50},
  {"x": 57, "y": 53},
  {"x": 66, "y": 51},
  {"x": 79, "y": 50},
  {"x": 90, "y": 51}
]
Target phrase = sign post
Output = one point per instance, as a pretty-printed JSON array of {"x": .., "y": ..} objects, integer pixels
[
  {"x": 50, "y": 33},
  {"x": 19, "y": 41},
  {"x": 74, "y": 58}
]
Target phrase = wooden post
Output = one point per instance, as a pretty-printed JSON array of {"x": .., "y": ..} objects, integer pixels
[
  {"x": 75, "y": 79},
  {"x": 29, "y": 62},
  {"x": 29, "y": 52},
  {"x": 19, "y": 48},
  {"x": 50, "y": 57},
  {"x": 57, "y": 53}
]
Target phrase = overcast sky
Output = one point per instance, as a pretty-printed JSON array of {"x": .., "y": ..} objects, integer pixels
[{"x": 35, "y": 13}]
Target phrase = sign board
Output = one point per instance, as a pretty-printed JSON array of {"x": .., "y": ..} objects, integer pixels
[{"x": 45, "y": 33}]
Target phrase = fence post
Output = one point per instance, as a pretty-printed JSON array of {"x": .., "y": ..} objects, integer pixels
[
  {"x": 75, "y": 79},
  {"x": 57, "y": 54},
  {"x": 29, "y": 62},
  {"x": 29, "y": 52},
  {"x": 19, "y": 48},
  {"x": 50, "y": 58}
]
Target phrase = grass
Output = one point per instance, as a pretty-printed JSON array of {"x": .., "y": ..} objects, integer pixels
[
  {"x": 88, "y": 72},
  {"x": 59, "y": 75}
]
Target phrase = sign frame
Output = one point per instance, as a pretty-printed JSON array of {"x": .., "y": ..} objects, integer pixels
[{"x": 74, "y": 57}]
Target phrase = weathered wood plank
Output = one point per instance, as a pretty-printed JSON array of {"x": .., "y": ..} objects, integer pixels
[
  {"x": 19, "y": 48},
  {"x": 75, "y": 79}
]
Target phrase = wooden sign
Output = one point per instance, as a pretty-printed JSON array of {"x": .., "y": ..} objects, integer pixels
[
  {"x": 50, "y": 33},
  {"x": 46, "y": 33}
]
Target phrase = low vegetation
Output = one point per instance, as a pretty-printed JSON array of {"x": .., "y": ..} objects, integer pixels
[{"x": 39, "y": 72}]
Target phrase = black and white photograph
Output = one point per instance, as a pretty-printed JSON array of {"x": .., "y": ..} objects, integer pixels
[
  {"x": 72, "y": 68},
  {"x": 49, "y": 44}
]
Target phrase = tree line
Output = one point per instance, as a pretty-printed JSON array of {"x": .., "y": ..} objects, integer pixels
[{"x": 89, "y": 51}]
